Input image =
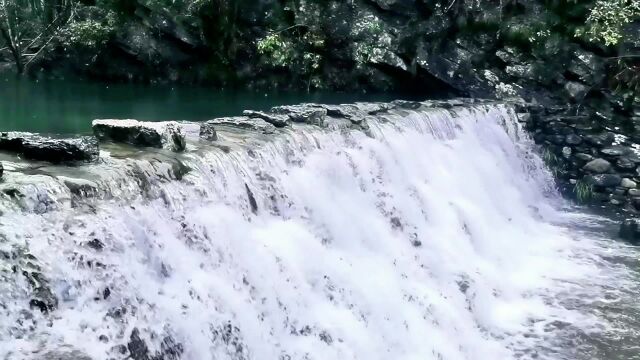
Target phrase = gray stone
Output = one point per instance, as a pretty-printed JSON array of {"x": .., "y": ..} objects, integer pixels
[
  {"x": 351, "y": 112},
  {"x": 239, "y": 122},
  {"x": 523, "y": 117},
  {"x": 556, "y": 139},
  {"x": 414, "y": 105},
  {"x": 573, "y": 139},
  {"x": 64, "y": 355},
  {"x": 628, "y": 183},
  {"x": 583, "y": 157},
  {"x": 625, "y": 164},
  {"x": 168, "y": 135},
  {"x": 615, "y": 151},
  {"x": 54, "y": 150},
  {"x": 630, "y": 230},
  {"x": 634, "y": 192},
  {"x": 276, "y": 119},
  {"x": 80, "y": 187},
  {"x": 372, "y": 108},
  {"x": 576, "y": 90},
  {"x": 598, "y": 166},
  {"x": 305, "y": 113},
  {"x": 208, "y": 131},
  {"x": 600, "y": 140},
  {"x": 604, "y": 180},
  {"x": 587, "y": 66}
]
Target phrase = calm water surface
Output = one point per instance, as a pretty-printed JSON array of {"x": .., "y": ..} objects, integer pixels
[{"x": 64, "y": 107}]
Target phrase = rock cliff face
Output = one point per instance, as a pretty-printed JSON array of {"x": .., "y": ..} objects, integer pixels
[{"x": 525, "y": 48}]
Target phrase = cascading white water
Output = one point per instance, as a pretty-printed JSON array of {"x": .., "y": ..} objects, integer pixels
[{"x": 436, "y": 237}]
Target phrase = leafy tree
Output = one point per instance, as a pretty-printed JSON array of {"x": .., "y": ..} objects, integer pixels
[
  {"x": 608, "y": 19},
  {"x": 28, "y": 26}
]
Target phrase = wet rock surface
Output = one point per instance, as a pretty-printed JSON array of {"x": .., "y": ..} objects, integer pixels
[
  {"x": 596, "y": 161},
  {"x": 630, "y": 230},
  {"x": 239, "y": 122},
  {"x": 168, "y": 135},
  {"x": 305, "y": 113},
  {"x": 277, "y": 120},
  {"x": 54, "y": 150}
]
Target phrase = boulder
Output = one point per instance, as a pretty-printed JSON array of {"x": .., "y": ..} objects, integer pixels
[
  {"x": 600, "y": 140},
  {"x": 167, "y": 135},
  {"x": 587, "y": 66},
  {"x": 598, "y": 166},
  {"x": 276, "y": 119},
  {"x": 576, "y": 90},
  {"x": 54, "y": 150},
  {"x": 628, "y": 183},
  {"x": 1, "y": 170},
  {"x": 208, "y": 131},
  {"x": 615, "y": 151},
  {"x": 304, "y": 113},
  {"x": 238, "y": 122},
  {"x": 583, "y": 157},
  {"x": 630, "y": 230},
  {"x": 604, "y": 180},
  {"x": 573, "y": 139},
  {"x": 625, "y": 164}
]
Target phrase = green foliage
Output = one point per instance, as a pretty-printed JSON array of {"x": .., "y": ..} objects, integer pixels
[
  {"x": 552, "y": 161},
  {"x": 583, "y": 191},
  {"x": 89, "y": 33},
  {"x": 300, "y": 54},
  {"x": 277, "y": 51},
  {"x": 608, "y": 18}
]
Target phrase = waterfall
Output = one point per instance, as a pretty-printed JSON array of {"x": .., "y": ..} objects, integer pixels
[{"x": 436, "y": 234}]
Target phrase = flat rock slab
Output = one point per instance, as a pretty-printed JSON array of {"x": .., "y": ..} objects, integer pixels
[
  {"x": 208, "y": 128},
  {"x": 54, "y": 150},
  {"x": 305, "y": 113},
  {"x": 277, "y": 120},
  {"x": 166, "y": 135}
]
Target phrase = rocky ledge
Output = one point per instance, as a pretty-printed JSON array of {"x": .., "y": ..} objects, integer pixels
[
  {"x": 168, "y": 135},
  {"x": 594, "y": 164},
  {"x": 44, "y": 148},
  {"x": 173, "y": 135}
]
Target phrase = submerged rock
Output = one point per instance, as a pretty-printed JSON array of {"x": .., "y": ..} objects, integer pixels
[
  {"x": 239, "y": 122},
  {"x": 64, "y": 355},
  {"x": 630, "y": 230},
  {"x": 54, "y": 150},
  {"x": 168, "y": 135},
  {"x": 208, "y": 132}
]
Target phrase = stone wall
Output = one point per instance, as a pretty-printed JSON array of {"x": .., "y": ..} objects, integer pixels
[{"x": 595, "y": 161}]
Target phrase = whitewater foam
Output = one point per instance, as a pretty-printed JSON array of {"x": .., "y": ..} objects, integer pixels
[{"x": 437, "y": 235}]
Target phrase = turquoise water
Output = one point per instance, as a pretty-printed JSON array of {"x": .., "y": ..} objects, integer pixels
[{"x": 66, "y": 107}]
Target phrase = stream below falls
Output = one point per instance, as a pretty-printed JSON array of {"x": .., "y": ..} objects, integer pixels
[{"x": 438, "y": 236}]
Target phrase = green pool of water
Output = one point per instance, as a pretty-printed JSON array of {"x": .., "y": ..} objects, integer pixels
[{"x": 68, "y": 107}]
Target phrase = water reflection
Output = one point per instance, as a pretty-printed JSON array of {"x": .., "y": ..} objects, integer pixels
[{"x": 62, "y": 107}]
